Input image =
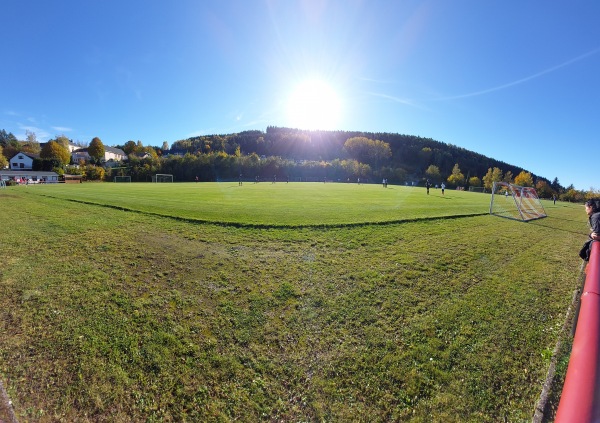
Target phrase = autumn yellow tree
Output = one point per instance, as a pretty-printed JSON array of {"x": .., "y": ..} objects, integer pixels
[
  {"x": 368, "y": 151},
  {"x": 524, "y": 179},
  {"x": 492, "y": 175},
  {"x": 508, "y": 177},
  {"x": 456, "y": 178},
  {"x": 53, "y": 150},
  {"x": 543, "y": 189},
  {"x": 433, "y": 173},
  {"x": 3, "y": 161},
  {"x": 474, "y": 181}
]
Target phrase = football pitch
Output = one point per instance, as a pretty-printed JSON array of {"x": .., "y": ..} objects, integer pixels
[
  {"x": 279, "y": 302},
  {"x": 280, "y": 204}
]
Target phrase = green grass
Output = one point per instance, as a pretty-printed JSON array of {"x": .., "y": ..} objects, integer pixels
[
  {"x": 114, "y": 314},
  {"x": 280, "y": 204}
]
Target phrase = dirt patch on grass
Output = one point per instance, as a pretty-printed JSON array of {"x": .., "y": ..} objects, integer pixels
[{"x": 6, "y": 411}]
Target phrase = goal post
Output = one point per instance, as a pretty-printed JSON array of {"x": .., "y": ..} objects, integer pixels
[
  {"x": 476, "y": 189},
  {"x": 162, "y": 177},
  {"x": 122, "y": 179},
  {"x": 516, "y": 202}
]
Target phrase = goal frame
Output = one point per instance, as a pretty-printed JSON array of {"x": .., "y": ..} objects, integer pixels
[
  {"x": 477, "y": 189},
  {"x": 520, "y": 203},
  {"x": 122, "y": 178},
  {"x": 162, "y": 177}
]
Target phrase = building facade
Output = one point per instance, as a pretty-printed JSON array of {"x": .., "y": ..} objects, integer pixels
[{"x": 22, "y": 161}]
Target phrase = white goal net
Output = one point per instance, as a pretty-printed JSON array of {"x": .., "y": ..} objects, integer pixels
[
  {"x": 122, "y": 178},
  {"x": 516, "y": 202},
  {"x": 162, "y": 177}
]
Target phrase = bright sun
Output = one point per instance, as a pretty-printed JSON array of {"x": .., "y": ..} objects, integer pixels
[{"x": 314, "y": 105}]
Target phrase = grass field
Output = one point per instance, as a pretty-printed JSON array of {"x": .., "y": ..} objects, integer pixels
[
  {"x": 280, "y": 204},
  {"x": 123, "y": 302}
]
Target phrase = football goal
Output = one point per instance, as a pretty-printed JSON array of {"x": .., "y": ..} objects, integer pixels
[
  {"x": 122, "y": 178},
  {"x": 476, "y": 189},
  {"x": 162, "y": 177},
  {"x": 516, "y": 202}
]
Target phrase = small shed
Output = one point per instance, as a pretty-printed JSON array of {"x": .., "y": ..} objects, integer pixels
[{"x": 73, "y": 179}]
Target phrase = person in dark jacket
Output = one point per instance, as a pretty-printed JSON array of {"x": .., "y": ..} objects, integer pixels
[{"x": 592, "y": 209}]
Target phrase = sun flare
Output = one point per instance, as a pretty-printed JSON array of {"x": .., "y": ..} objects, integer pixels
[{"x": 314, "y": 104}]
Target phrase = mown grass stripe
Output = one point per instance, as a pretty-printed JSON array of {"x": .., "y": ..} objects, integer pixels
[{"x": 272, "y": 226}]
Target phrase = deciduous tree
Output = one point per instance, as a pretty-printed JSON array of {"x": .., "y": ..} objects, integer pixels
[
  {"x": 129, "y": 147},
  {"x": 368, "y": 151},
  {"x": 94, "y": 173},
  {"x": 592, "y": 193},
  {"x": 63, "y": 140},
  {"x": 508, "y": 177},
  {"x": 492, "y": 175},
  {"x": 456, "y": 178},
  {"x": 524, "y": 179},
  {"x": 96, "y": 149},
  {"x": 31, "y": 144},
  {"x": 474, "y": 181},
  {"x": 53, "y": 150},
  {"x": 433, "y": 173},
  {"x": 3, "y": 160},
  {"x": 543, "y": 189},
  {"x": 572, "y": 195}
]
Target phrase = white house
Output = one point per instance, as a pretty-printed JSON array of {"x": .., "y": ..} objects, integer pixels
[
  {"x": 116, "y": 154},
  {"x": 110, "y": 154},
  {"x": 79, "y": 154},
  {"x": 22, "y": 161}
]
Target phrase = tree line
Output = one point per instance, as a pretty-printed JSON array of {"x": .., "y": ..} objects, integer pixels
[{"x": 294, "y": 154}]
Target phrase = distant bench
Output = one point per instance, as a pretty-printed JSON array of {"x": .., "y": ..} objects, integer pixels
[{"x": 73, "y": 179}]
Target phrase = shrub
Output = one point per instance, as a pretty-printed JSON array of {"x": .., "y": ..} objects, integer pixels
[{"x": 94, "y": 173}]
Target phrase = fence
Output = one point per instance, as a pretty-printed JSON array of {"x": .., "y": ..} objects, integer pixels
[{"x": 580, "y": 399}]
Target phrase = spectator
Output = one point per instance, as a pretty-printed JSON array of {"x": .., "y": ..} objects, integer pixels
[{"x": 592, "y": 209}]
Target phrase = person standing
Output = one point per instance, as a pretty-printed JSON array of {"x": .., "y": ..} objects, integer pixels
[
  {"x": 592, "y": 209},
  {"x": 443, "y": 188},
  {"x": 427, "y": 185}
]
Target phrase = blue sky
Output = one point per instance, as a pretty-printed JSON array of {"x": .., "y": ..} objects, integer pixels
[{"x": 518, "y": 81}]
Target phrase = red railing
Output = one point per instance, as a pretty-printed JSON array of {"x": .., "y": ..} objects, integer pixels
[{"x": 580, "y": 399}]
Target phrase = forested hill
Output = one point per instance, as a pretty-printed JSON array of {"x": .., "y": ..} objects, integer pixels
[{"x": 411, "y": 153}]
